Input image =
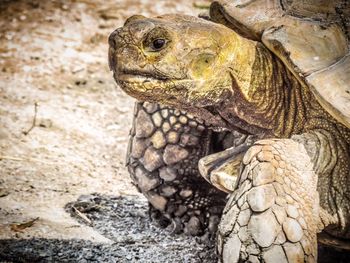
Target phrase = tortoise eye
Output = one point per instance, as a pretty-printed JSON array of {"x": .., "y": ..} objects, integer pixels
[{"x": 158, "y": 44}]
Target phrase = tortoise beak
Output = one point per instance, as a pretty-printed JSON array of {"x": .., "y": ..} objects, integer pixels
[{"x": 112, "y": 41}]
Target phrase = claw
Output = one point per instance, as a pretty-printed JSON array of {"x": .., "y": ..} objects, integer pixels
[{"x": 222, "y": 169}]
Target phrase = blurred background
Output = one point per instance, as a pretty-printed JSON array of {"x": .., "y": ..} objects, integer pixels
[{"x": 63, "y": 136}]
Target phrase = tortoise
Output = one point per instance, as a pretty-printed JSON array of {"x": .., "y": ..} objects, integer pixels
[{"x": 262, "y": 88}]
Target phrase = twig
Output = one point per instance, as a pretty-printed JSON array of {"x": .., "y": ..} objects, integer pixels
[
  {"x": 82, "y": 216},
  {"x": 34, "y": 119},
  {"x": 20, "y": 227}
]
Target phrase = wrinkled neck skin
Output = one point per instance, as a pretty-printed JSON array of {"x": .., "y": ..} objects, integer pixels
[{"x": 267, "y": 99}]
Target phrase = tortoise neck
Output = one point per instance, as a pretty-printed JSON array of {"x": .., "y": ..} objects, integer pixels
[{"x": 274, "y": 102}]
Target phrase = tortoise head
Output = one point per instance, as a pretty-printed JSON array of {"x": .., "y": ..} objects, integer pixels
[{"x": 179, "y": 60}]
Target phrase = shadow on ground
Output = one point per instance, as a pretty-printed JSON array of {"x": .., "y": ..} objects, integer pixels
[
  {"x": 133, "y": 238},
  {"x": 123, "y": 220}
]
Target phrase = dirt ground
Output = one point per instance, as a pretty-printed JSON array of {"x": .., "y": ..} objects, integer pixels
[{"x": 54, "y": 72}]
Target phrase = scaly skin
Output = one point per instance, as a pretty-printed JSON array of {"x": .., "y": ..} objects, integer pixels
[
  {"x": 274, "y": 215},
  {"x": 180, "y": 199},
  {"x": 237, "y": 84},
  {"x": 162, "y": 139}
]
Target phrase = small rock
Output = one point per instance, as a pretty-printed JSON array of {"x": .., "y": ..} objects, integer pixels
[
  {"x": 265, "y": 156},
  {"x": 192, "y": 124},
  {"x": 177, "y": 113},
  {"x": 45, "y": 123},
  {"x": 172, "y": 120}
]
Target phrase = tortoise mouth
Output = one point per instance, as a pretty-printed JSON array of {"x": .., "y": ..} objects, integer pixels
[{"x": 140, "y": 78}]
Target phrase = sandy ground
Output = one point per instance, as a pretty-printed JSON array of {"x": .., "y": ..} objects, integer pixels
[{"x": 53, "y": 69}]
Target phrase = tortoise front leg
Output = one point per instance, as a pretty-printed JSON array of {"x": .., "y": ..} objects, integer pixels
[
  {"x": 274, "y": 213},
  {"x": 164, "y": 149}
]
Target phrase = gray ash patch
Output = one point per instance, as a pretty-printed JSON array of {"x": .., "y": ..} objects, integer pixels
[{"x": 125, "y": 221}]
